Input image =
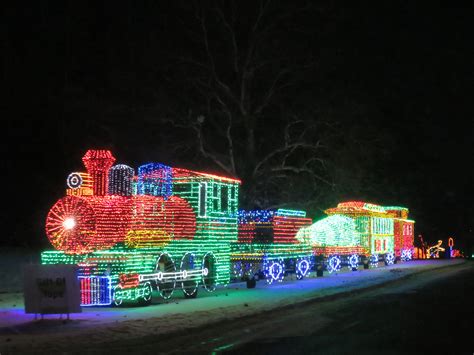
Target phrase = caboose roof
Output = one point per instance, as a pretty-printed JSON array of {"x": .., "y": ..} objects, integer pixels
[
  {"x": 361, "y": 208},
  {"x": 357, "y": 206}
]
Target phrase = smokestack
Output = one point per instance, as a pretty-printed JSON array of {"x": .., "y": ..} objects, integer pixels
[{"x": 98, "y": 164}]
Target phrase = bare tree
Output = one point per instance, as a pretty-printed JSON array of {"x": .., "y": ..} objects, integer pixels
[{"x": 244, "y": 80}]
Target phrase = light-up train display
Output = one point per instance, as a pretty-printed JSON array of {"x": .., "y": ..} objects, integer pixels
[{"x": 133, "y": 236}]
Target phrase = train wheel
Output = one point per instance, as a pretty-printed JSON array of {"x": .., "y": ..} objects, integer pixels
[
  {"x": 334, "y": 264},
  {"x": 118, "y": 295},
  {"x": 389, "y": 258},
  {"x": 274, "y": 270},
  {"x": 190, "y": 295},
  {"x": 167, "y": 283},
  {"x": 406, "y": 255},
  {"x": 209, "y": 274},
  {"x": 374, "y": 260},
  {"x": 190, "y": 278},
  {"x": 353, "y": 262},
  {"x": 147, "y": 294},
  {"x": 303, "y": 266}
]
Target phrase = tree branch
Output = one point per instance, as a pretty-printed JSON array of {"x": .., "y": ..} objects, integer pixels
[
  {"x": 205, "y": 153},
  {"x": 282, "y": 150},
  {"x": 228, "y": 134},
  {"x": 232, "y": 38}
]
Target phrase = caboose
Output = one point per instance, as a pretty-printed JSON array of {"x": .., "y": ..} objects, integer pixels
[
  {"x": 358, "y": 229},
  {"x": 133, "y": 234}
]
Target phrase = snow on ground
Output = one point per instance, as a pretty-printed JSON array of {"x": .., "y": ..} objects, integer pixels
[
  {"x": 12, "y": 261},
  {"x": 20, "y": 331}
]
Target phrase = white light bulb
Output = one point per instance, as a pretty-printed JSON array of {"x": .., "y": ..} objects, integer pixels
[{"x": 69, "y": 223}]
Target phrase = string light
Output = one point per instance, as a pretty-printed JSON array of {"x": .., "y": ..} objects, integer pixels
[
  {"x": 406, "y": 255},
  {"x": 170, "y": 227},
  {"x": 255, "y": 216},
  {"x": 74, "y": 180},
  {"x": 82, "y": 225},
  {"x": 242, "y": 269},
  {"x": 79, "y": 184},
  {"x": 190, "y": 281},
  {"x": 274, "y": 269},
  {"x": 434, "y": 250},
  {"x": 353, "y": 261},
  {"x": 374, "y": 260},
  {"x": 334, "y": 234},
  {"x": 120, "y": 180},
  {"x": 124, "y": 224},
  {"x": 293, "y": 213},
  {"x": 403, "y": 229},
  {"x": 267, "y": 239},
  {"x": 95, "y": 290},
  {"x": 98, "y": 163},
  {"x": 389, "y": 258},
  {"x": 380, "y": 229},
  {"x": 286, "y": 226},
  {"x": 450, "y": 244},
  {"x": 303, "y": 267},
  {"x": 155, "y": 179},
  {"x": 334, "y": 264}
]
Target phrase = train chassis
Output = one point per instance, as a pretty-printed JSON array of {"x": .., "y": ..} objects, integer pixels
[
  {"x": 191, "y": 273},
  {"x": 166, "y": 278},
  {"x": 276, "y": 269}
]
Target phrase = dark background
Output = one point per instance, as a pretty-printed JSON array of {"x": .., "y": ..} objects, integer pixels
[{"x": 395, "y": 78}]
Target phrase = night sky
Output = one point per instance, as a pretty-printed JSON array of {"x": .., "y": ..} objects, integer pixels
[{"x": 79, "y": 75}]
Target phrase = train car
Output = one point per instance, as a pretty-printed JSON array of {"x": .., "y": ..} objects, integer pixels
[
  {"x": 403, "y": 232},
  {"x": 267, "y": 246},
  {"x": 358, "y": 231},
  {"x": 135, "y": 235}
]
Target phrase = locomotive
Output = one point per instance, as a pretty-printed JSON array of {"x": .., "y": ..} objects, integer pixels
[
  {"x": 169, "y": 228},
  {"x": 163, "y": 229}
]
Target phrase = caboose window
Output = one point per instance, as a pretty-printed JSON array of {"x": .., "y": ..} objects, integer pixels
[{"x": 202, "y": 199}]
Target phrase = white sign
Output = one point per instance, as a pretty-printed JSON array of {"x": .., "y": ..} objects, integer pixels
[{"x": 51, "y": 289}]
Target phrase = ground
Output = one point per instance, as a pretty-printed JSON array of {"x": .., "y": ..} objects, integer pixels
[{"x": 236, "y": 319}]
